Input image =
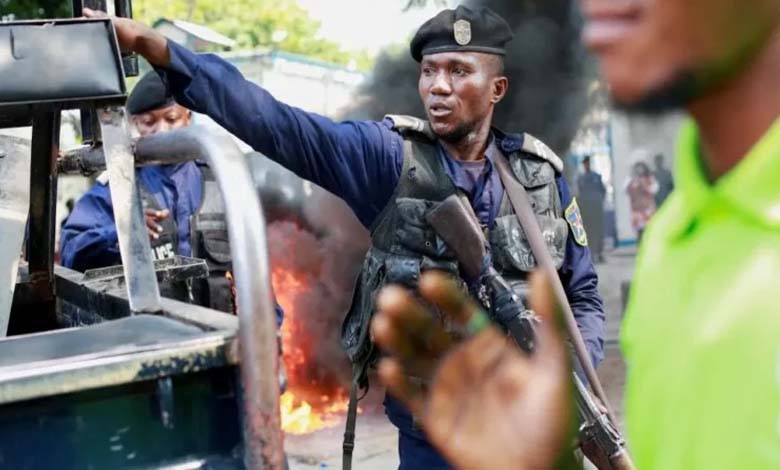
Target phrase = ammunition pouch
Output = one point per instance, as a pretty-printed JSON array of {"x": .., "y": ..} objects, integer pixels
[{"x": 510, "y": 248}]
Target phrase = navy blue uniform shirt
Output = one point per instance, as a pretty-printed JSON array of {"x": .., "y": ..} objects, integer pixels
[{"x": 359, "y": 161}]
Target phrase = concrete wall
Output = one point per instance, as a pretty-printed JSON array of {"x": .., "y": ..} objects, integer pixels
[{"x": 635, "y": 138}]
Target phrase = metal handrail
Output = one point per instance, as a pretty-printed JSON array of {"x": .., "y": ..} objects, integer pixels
[{"x": 263, "y": 444}]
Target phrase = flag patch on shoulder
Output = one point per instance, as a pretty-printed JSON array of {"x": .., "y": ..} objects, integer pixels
[{"x": 574, "y": 218}]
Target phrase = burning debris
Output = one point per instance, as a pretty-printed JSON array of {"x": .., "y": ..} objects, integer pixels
[
  {"x": 312, "y": 277},
  {"x": 317, "y": 370}
]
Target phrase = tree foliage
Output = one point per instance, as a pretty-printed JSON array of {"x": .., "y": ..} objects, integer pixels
[
  {"x": 252, "y": 23},
  {"x": 33, "y": 9}
]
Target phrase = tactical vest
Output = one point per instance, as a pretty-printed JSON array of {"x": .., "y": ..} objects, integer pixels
[
  {"x": 209, "y": 239},
  {"x": 404, "y": 245}
]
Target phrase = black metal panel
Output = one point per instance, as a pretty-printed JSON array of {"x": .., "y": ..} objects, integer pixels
[
  {"x": 125, "y": 427},
  {"x": 63, "y": 61},
  {"x": 123, "y": 9}
]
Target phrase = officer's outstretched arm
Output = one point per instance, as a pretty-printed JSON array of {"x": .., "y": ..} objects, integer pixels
[{"x": 359, "y": 161}]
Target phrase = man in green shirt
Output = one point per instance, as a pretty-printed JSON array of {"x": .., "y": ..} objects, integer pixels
[{"x": 702, "y": 332}]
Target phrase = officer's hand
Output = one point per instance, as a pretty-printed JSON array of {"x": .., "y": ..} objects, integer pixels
[
  {"x": 154, "y": 216},
  {"x": 488, "y": 405},
  {"x": 137, "y": 37}
]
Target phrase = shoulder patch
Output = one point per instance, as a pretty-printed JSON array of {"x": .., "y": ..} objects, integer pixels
[
  {"x": 574, "y": 219},
  {"x": 103, "y": 178},
  {"x": 536, "y": 147},
  {"x": 410, "y": 124}
]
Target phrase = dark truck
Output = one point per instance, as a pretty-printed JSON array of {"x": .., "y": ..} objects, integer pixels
[{"x": 97, "y": 370}]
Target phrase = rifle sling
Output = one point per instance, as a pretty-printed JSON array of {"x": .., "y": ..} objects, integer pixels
[
  {"x": 349, "y": 432},
  {"x": 518, "y": 197}
]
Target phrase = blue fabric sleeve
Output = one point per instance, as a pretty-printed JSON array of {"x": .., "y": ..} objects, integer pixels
[
  {"x": 359, "y": 161},
  {"x": 279, "y": 315},
  {"x": 581, "y": 283},
  {"x": 88, "y": 238}
]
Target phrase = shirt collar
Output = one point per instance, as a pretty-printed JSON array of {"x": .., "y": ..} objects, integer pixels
[
  {"x": 508, "y": 143},
  {"x": 752, "y": 187}
]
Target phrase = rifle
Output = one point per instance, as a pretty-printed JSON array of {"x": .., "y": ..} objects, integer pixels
[{"x": 454, "y": 221}]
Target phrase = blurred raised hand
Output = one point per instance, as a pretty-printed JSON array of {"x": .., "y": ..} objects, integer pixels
[{"x": 486, "y": 404}]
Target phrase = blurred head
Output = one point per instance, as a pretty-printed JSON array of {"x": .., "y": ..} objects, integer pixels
[
  {"x": 659, "y": 161},
  {"x": 658, "y": 54},
  {"x": 641, "y": 169},
  {"x": 152, "y": 108},
  {"x": 461, "y": 54},
  {"x": 586, "y": 163}
]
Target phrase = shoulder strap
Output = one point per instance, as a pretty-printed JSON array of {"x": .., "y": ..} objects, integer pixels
[
  {"x": 411, "y": 125},
  {"x": 525, "y": 215},
  {"x": 536, "y": 147}
]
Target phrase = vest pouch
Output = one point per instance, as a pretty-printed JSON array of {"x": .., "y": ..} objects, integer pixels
[
  {"x": 511, "y": 250},
  {"x": 354, "y": 330},
  {"x": 447, "y": 266},
  {"x": 532, "y": 172},
  {"x": 541, "y": 199},
  {"x": 402, "y": 270},
  {"x": 216, "y": 247},
  {"x": 413, "y": 235}
]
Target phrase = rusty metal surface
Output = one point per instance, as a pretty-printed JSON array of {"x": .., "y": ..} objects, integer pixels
[
  {"x": 123, "y": 364},
  {"x": 43, "y": 202},
  {"x": 247, "y": 232},
  {"x": 134, "y": 246},
  {"x": 14, "y": 206}
]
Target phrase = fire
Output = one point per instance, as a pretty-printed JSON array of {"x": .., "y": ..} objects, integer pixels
[
  {"x": 310, "y": 402},
  {"x": 298, "y": 416}
]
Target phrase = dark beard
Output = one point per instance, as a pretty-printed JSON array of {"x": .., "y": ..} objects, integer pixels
[
  {"x": 458, "y": 134},
  {"x": 674, "y": 95}
]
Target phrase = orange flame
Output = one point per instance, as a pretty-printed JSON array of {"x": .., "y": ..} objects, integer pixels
[
  {"x": 298, "y": 416},
  {"x": 321, "y": 408}
]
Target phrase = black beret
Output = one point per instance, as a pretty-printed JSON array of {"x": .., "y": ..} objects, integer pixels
[
  {"x": 462, "y": 29},
  {"x": 150, "y": 93}
]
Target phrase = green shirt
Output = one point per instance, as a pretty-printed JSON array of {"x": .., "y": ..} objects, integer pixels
[{"x": 702, "y": 332}]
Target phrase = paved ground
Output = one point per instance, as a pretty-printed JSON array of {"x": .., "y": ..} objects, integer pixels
[{"x": 376, "y": 443}]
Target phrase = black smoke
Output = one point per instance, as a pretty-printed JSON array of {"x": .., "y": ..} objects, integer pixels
[{"x": 547, "y": 65}]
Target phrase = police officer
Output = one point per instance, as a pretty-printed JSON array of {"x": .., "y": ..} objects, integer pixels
[
  {"x": 391, "y": 172},
  {"x": 183, "y": 209},
  {"x": 170, "y": 193}
]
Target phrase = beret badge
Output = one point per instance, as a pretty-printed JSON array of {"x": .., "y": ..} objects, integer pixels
[{"x": 462, "y": 32}]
